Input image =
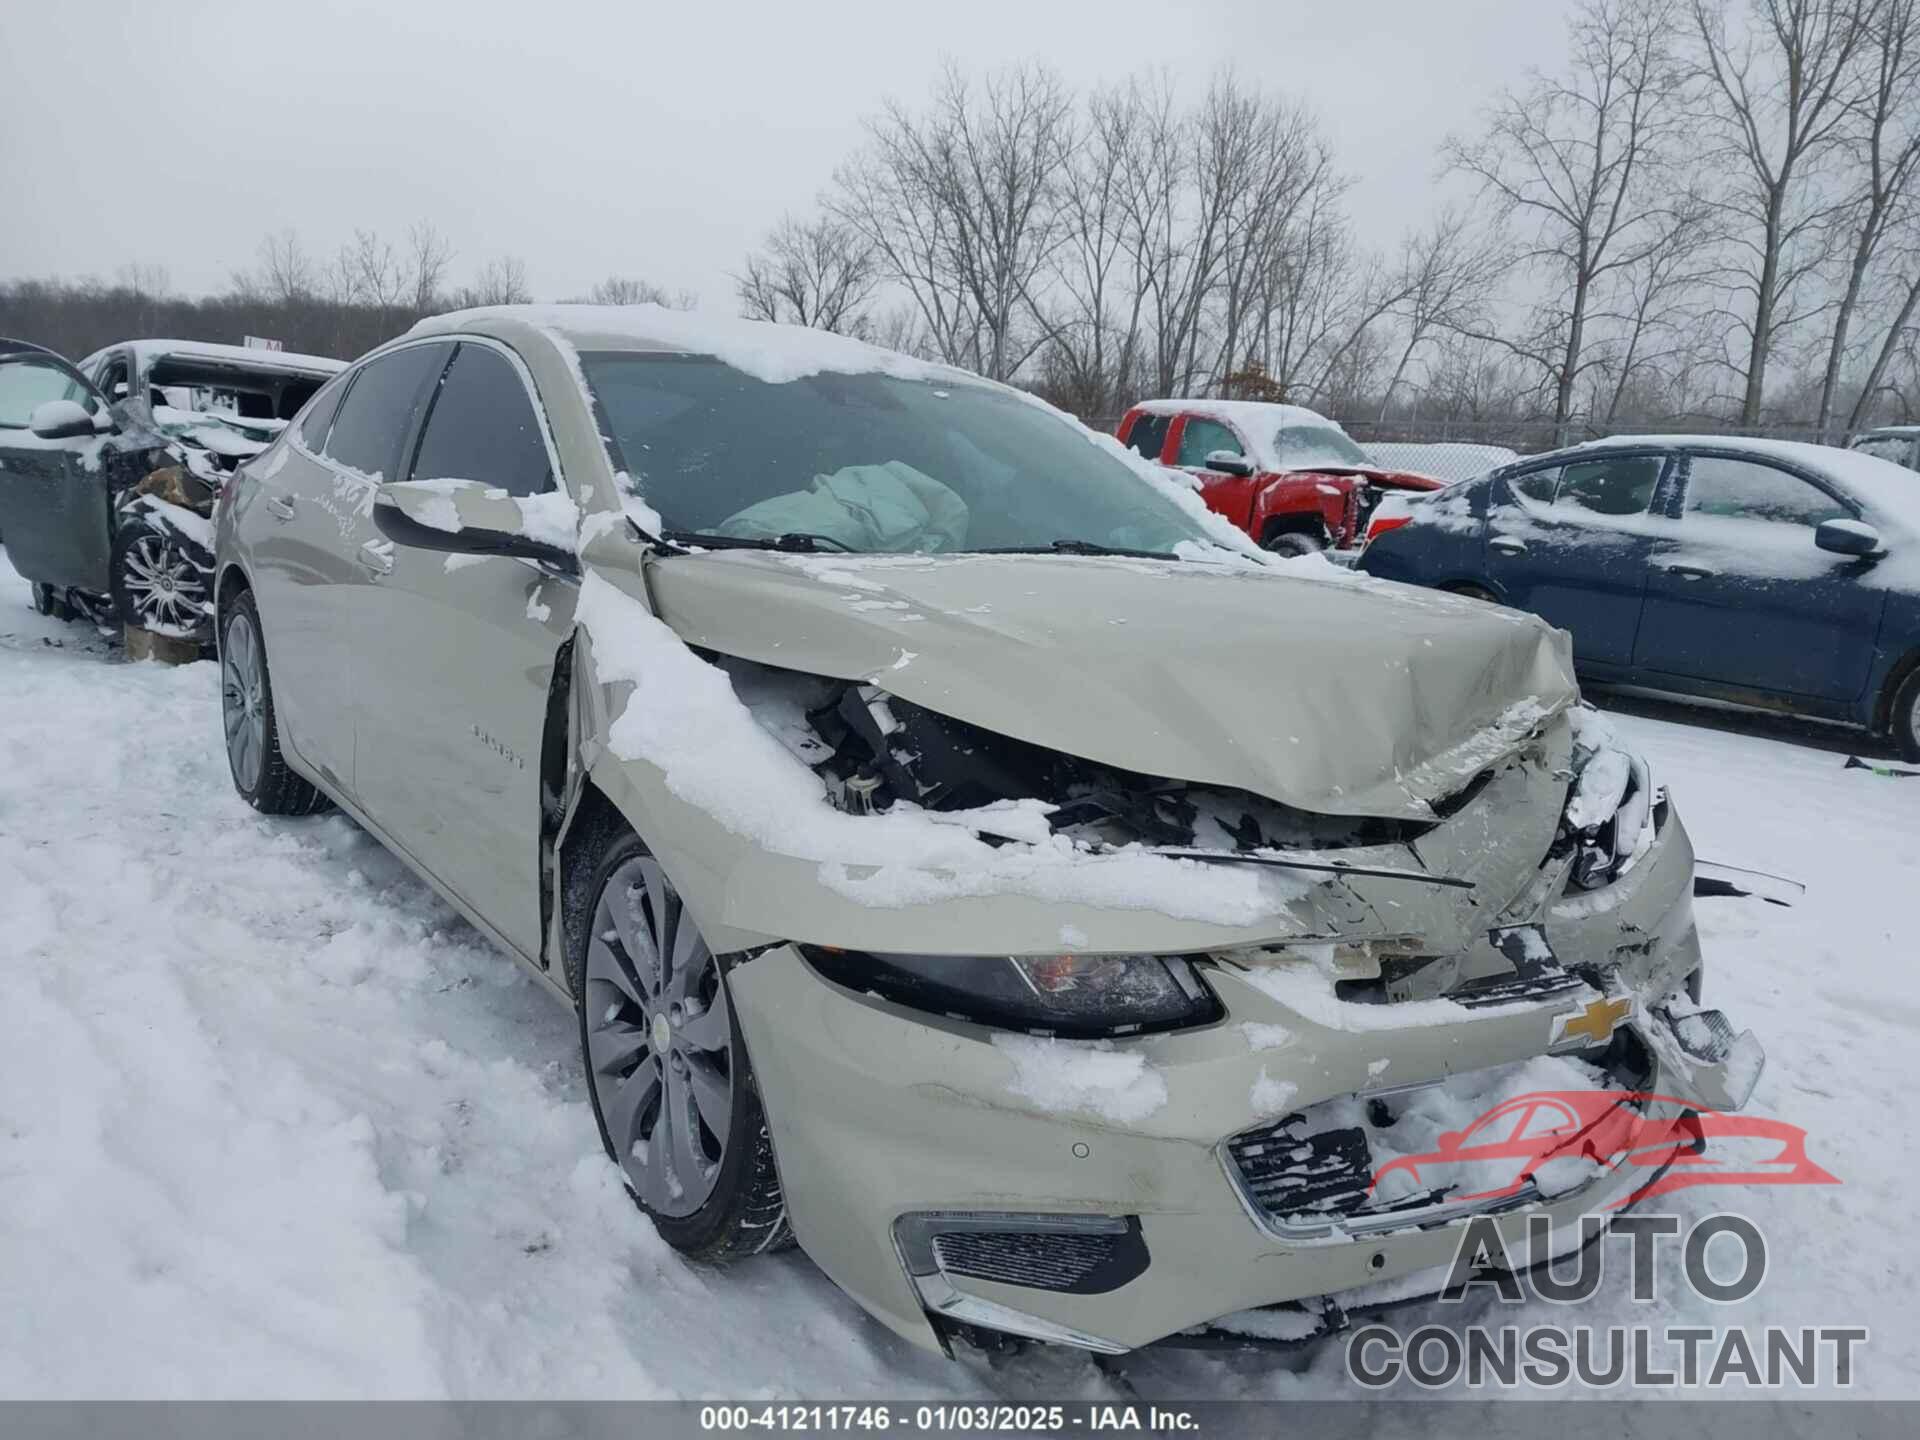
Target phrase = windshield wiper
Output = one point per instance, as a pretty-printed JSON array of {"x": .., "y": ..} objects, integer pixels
[
  {"x": 1075, "y": 547},
  {"x": 803, "y": 542}
]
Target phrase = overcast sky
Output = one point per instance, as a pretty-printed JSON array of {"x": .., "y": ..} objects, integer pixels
[{"x": 643, "y": 139}]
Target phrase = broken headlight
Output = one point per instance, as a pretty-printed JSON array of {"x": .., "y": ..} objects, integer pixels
[
  {"x": 1610, "y": 817},
  {"x": 1074, "y": 995}
]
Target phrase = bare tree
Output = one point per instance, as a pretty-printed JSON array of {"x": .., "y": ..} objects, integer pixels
[
  {"x": 1779, "y": 90},
  {"x": 1885, "y": 150},
  {"x": 285, "y": 274},
  {"x": 428, "y": 256},
  {"x": 819, "y": 272},
  {"x": 1446, "y": 274},
  {"x": 1575, "y": 160},
  {"x": 626, "y": 290},
  {"x": 501, "y": 281}
]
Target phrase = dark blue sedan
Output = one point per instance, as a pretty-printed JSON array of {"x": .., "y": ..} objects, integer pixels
[{"x": 1756, "y": 572}]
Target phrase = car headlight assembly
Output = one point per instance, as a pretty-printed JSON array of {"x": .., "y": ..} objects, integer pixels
[
  {"x": 1078, "y": 996},
  {"x": 1611, "y": 811}
]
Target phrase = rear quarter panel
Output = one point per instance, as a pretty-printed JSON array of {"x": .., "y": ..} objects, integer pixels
[{"x": 1444, "y": 544}]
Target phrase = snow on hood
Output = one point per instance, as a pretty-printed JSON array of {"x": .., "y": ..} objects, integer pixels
[{"x": 1351, "y": 699}]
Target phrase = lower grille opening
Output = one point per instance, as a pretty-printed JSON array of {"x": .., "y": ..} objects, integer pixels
[
  {"x": 1013, "y": 1257},
  {"x": 1067, "y": 1254},
  {"x": 1482, "y": 1141}
]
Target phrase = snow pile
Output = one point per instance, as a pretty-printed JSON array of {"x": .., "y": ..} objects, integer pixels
[
  {"x": 1085, "y": 1077},
  {"x": 684, "y": 718},
  {"x": 1303, "y": 978}
]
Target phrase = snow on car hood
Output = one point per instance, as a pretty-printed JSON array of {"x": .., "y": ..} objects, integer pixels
[{"x": 1345, "y": 699}]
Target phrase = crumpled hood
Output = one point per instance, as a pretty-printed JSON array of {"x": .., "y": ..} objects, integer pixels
[{"x": 1339, "y": 696}]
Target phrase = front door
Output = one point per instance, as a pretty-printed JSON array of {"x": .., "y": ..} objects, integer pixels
[
  {"x": 54, "y": 494},
  {"x": 457, "y": 655},
  {"x": 1230, "y": 495},
  {"x": 1570, "y": 543},
  {"x": 1739, "y": 596}
]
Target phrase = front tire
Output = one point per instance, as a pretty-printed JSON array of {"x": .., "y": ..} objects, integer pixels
[
  {"x": 158, "y": 581},
  {"x": 1906, "y": 717},
  {"x": 254, "y": 759},
  {"x": 1291, "y": 542},
  {"x": 667, "y": 1070}
]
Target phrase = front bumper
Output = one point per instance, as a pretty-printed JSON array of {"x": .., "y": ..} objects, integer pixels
[{"x": 880, "y": 1116}]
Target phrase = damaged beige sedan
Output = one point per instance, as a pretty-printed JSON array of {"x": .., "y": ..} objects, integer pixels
[{"x": 968, "y": 857}]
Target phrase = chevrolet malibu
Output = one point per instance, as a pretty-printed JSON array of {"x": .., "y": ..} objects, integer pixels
[{"x": 966, "y": 855}]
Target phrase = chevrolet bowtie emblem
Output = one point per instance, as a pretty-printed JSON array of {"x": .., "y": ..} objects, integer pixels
[{"x": 1596, "y": 1022}]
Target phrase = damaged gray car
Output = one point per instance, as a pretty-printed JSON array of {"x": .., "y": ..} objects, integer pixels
[
  {"x": 967, "y": 857},
  {"x": 108, "y": 470}
]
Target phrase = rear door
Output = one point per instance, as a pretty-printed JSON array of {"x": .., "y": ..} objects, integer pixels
[
  {"x": 1570, "y": 542},
  {"x": 456, "y": 656},
  {"x": 317, "y": 549},
  {"x": 1739, "y": 596},
  {"x": 53, "y": 493}
]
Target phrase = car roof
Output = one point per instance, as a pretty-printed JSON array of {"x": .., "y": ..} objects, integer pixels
[
  {"x": 1889, "y": 430},
  {"x": 147, "y": 352},
  {"x": 770, "y": 352},
  {"x": 1253, "y": 414}
]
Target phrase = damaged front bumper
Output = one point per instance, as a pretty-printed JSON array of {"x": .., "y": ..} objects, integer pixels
[{"x": 948, "y": 1176}]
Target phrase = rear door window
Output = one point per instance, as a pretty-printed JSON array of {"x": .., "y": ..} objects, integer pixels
[
  {"x": 483, "y": 427},
  {"x": 1616, "y": 485},
  {"x": 1201, "y": 438},
  {"x": 381, "y": 409},
  {"x": 1149, "y": 435},
  {"x": 313, "y": 428}
]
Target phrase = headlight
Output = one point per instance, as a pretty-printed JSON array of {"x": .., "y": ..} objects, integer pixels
[
  {"x": 1074, "y": 995},
  {"x": 1610, "y": 814}
]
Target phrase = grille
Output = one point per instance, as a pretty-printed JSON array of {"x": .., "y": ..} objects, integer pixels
[
  {"x": 1059, "y": 1261},
  {"x": 1294, "y": 1175}
]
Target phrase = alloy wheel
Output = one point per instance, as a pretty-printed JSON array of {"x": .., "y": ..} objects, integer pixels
[
  {"x": 659, "y": 1040},
  {"x": 243, "y": 706},
  {"x": 166, "y": 590}
]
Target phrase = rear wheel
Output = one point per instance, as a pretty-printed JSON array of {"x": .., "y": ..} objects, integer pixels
[
  {"x": 1906, "y": 717},
  {"x": 260, "y": 772},
  {"x": 667, "y": 1068},
  {"x": 51, "y": 600}
]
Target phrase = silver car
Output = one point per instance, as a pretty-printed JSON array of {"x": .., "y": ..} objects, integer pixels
[{"x": 966, "y": 856}]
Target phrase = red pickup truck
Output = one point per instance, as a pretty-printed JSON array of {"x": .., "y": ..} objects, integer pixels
[{"x": 1289, "y": 477}]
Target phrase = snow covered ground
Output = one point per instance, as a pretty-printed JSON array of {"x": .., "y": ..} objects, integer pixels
[{"x": 274, "y": 1122}]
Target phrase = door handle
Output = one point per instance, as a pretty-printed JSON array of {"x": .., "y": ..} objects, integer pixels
[
  {"x": 1690, "y": 572},
  {"x": 1507, "y": 545},
  {"x": 280, "y": 507},
  {"x": 376, "y": 557}
]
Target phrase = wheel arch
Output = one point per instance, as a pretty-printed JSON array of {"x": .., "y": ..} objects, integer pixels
[{"x": 1902, "y": 670}]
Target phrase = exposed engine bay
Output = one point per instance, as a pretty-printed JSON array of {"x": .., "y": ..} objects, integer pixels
[{"x": 873, "y": 750}]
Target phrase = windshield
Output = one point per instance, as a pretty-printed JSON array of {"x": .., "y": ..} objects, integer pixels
[
  {"x": 1302, "y": 447},
  {"x": 866, "y": 462}
]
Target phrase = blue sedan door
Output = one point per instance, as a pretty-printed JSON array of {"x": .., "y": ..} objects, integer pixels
[
  {"x": 1739, "y": 597},
  {"x": 1570, "y": 542}
]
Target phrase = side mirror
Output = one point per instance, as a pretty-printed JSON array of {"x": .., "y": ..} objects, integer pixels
[
  {"x": 1228, "y": 463},
  {"x": 464, "y": 517},
  {"x": 60, "y": 420},
  {"x": 1849, "y": 537}
]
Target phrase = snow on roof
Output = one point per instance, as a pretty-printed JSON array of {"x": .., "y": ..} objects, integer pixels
[
  {"x": 1258, "y": 415},
  {"x": 1891, "y": 491},
  {"x": 146, "y": 352},
  {"x": 769, "y": 352},
  {"x": 1258, "y": 423}
]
